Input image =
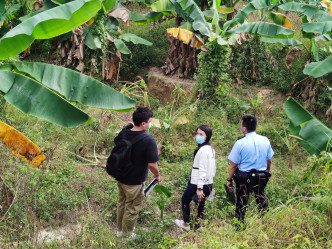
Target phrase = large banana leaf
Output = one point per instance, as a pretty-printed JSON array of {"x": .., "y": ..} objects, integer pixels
[
  {"x": 285, "y": 42},
  {"x": 317, "y": 27},
  {"x": 20, "y": 145},
  {"x": 189, "y": 10},
  {"x": 128, "y": 37},
  {"x": 323, "y": 38},
  {"x": 316, "y": 136},
  {"x": 150, "y": 17},
  {"x": 47, "y": 24},
  {"x": 75, "y": 86},
  {"x": 319, "y": 69},
  {"x": 313, "y": 12},
  {"x": 263, "y": 28},
  {"x": 251, "y": 7},
  {"x": 35, "y": 99}
]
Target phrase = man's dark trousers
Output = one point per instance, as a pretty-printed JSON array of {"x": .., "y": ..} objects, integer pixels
[{"x": 245, "y": 184}]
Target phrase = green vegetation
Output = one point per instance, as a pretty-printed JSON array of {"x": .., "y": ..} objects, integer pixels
[{"x": 71, "y": 192}]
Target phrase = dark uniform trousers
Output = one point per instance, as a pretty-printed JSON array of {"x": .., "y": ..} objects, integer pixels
[{"x": 247, "y": 182}]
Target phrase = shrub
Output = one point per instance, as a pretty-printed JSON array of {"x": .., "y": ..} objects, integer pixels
[{"x": 213, "y": 73}]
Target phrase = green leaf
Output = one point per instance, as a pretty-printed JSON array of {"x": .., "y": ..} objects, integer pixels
[
  {"x": 112, "y": 24},
  {"x": 2, "y": 7},
  {"x": 251, "y": 7},
  {"x": 150, "y": 17},
  {"x": 210, "y": 14},
  {"x": 92, "y": 41},
  {"x": 317, "y": 27},
  {"x": 189, "y": 10},
  {"x": 35, "y": 99},
  {"x": 162, "y": 5},
  {"x": 47, "y": 24},
  {"x": 285, "y": 42},
  {"x": 323, "y": 38},
  {"x": 187, "y": 26},
  {"x": 162, "y": 190},
  {"x": 319, "y": 69},
  {"x": 121, "y": 46},
  {"x": 314, "y": 133},
  {"x": 263, "y": 28},
  {"x": 59, "y": 2},
  {"x": 12, "y": 9},
  {"x": 314, "y": 50},
  {"x": 109, "y": 4},
  {"x": 280, "y": 19},
  {"x": 75, "y": 86},
  {"x": 128, "y": 37},
  {"x": 313, "y": 12}
]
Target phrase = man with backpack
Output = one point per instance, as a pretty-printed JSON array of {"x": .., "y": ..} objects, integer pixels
[{"x": 135, "y": 153}]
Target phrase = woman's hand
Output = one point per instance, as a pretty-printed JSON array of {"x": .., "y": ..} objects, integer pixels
[{"x": 200, "y": 194}]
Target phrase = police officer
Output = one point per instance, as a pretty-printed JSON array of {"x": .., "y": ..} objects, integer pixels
[{"x": 251, "y": 159}]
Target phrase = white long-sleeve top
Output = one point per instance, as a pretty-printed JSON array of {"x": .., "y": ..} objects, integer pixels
[{"x": 204, "y": 167}]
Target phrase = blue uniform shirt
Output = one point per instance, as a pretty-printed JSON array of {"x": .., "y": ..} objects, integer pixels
[{"x": 251, "y": 152}]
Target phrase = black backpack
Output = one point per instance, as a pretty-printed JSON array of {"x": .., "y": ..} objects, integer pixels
[{"x": 119, "y": 162}]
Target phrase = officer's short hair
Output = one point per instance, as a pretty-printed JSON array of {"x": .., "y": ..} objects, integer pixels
[
  {"x": 142, "y": 114},
  {"x": 250, "y": 122}
]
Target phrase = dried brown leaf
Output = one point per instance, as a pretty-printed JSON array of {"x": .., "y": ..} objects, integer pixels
[
  {"x": 290, "y": 57},
  {"x": 120, "y": 13}
]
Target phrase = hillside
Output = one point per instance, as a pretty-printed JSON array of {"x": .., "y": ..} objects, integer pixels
[
  {"x": 89, "y": 64},
  {"x": 71, "y": 202}
]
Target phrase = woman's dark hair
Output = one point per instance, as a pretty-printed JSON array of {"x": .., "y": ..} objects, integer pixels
[
  {"x": 208, "y": 132},
  {"x": 142, "y": 114},
  {"x": 250, "y": 122}
]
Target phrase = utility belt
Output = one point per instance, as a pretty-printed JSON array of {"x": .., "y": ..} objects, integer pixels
[{"x": 252, "y": 177}]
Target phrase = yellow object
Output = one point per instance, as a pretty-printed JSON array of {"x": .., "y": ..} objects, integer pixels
[
  {"x": 288, "y": 24},
  {"x": 181, "y": 120},
  {"x": 185, "y": 36},
  {"x": 20, "y": 145},
  {"x": 27, "y": 51},
  {"x": 91, "y": 21},
  {"x": 226, "y": 10},
  {"x": 329, "y": 4}
]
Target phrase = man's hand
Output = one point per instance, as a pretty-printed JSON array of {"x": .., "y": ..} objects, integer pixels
[
  {"x": 158, "y": 178},
  {"x": 155, "y": 171},
  {"x": 230, "y": 186},
  {"x": 200, "y": 194}
]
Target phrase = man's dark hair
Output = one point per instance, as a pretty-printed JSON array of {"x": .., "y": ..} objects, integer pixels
[
  {"x": 250, "y": 122},
  {"x": 208, "y": 132},
  {"x": 142, "y": 114}
]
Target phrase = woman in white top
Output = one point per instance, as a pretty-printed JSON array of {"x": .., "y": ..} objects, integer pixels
[{"x": 201, "y": 177}]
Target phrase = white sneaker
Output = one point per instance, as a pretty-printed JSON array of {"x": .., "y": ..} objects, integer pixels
[
  {"x": 182, "y": 224},
  {"x": 133, "y": 236}
]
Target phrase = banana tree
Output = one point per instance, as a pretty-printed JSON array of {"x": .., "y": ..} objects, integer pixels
[
  {"x": 199, "y": 24},
  {"x": 101, "y": 35},
  {"x": 316, "y": 26},
  {"x": 46, "y": 91},
  {"x": 272, "y": 27}
]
